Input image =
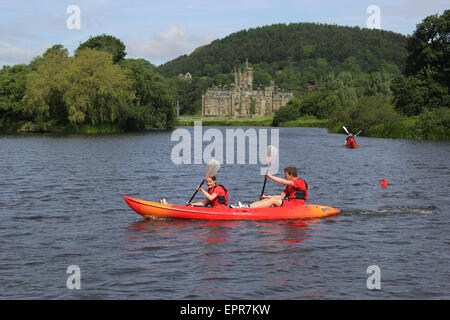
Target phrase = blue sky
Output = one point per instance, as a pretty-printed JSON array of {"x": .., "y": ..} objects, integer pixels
[{"x": 163, "y": 30}]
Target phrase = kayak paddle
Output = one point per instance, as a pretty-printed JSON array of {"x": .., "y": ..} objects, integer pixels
[
  {"x": 345, "y": 129},
  {"x": 358, "y": 132},
  {"x": 211, "y": 169},
  {"x": 271, "y": 155}
]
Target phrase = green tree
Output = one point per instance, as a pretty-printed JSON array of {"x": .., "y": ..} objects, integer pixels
[
  {"x": 57, "y": 49},
  {"x": 434, "y": 124},
  {"x": 367, "y": 113},
  {"x": 286, "y": 113},
  {"x": 413, "y": 95},
  {"x": 12, "y": 91},
  {"x": 105, "y": 43},
  {"x": 99, "y": 91},
  {"x": 45, "y": 89},
  {"x": 154, "y": 105},
  {"x": 429, "y": 49},
  {"x": 88, "y": 89}
]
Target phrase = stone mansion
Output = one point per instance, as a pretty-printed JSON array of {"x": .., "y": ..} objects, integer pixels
[{"x": 242, "y": 100}]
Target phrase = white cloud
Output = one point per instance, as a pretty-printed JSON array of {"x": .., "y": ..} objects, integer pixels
[
  {"x": 15, "y": 54},
  {"x": 166, "y": 45}
]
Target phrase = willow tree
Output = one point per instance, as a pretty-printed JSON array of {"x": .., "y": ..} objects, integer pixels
[
  {"x": 46, "y": 87},
  {"x": 99, "y": 91},
  {"x": 87, "y": 89}
]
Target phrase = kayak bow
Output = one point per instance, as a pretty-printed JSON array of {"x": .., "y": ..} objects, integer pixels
[
  {"x": 149, "y": 209},
  {"x": 352, "y": 144}
]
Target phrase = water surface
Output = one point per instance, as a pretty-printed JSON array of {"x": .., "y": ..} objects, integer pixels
[{"x": 61, "y": 204}]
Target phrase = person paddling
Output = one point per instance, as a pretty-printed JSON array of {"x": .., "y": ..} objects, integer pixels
[
  {"x": 216, "y": 196},
  {"x": 350, "y": 139},
  {"x": 295, "y": 193}
]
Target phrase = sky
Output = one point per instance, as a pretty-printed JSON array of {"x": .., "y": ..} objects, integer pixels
[{"x": 160, "y": 31}]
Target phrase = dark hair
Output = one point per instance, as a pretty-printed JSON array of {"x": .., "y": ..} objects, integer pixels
[{"x": 292, "y": 171}]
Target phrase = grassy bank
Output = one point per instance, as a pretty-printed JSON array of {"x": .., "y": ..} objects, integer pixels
[
  {"x": 51, "y": 127},
  {"x": 306, "y": 122},
  {"x": 244, "y": 122},
  {"x": 265, "y": 121},
  {"x": 405, "y": 128}
]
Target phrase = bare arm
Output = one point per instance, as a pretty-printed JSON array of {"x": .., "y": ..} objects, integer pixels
[
  {"x": 281, "y": 180},
  {"x": 209, "y": 197}
]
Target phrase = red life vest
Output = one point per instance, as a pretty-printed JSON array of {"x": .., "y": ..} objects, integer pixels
[
  {"x": 299, "y": 191},
  {"x": 222, "y": 196}
]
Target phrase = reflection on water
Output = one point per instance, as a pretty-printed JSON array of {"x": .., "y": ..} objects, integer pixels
[
  {"x": 284, "y": 231},
  {"x": 221, "y": 252}
]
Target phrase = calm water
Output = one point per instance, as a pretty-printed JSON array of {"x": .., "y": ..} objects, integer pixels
[{"x": 61, "y": 204}]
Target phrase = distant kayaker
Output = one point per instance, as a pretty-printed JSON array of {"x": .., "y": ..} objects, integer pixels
[
  {"x": 295, "y": 193},
  {"x": 350, "y": 139},
  {"x": 216, "y": 196}
]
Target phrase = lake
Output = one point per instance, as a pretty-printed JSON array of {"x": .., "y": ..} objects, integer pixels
[{"x": 61, "y": 205}]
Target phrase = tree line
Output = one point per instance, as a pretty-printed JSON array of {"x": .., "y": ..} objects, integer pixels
[
  {"x": 413, "y": 103},
  {"x": 96, "y": 90},
  {"x": 294, "y": 55}
]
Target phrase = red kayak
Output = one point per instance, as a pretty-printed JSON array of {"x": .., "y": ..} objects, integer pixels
[
  {"x": 149, "y": 209},
  {"x": 351, "y": 144}
]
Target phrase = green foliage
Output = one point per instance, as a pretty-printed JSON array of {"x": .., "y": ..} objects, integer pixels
[
  {"x": 425, "y": 83},
  {"x": 408, "y": 95},
  {"x": 413, "y": 95},
  {"x": 87, "y": 89},
  {"x": 57, "y": 49},
  {"x": 154, "y": 97},
  {"x": 45, "y": 89},
  {"x": 293, "y": 55},
  {"x": 12, "y": 91},
  {"x": 253, "y": 107},
  {"x": 295, "y": 45},
  {"x": 403, "y": 129},
  {"x": 367, "y": 113},
  {"x": 287, "y": 113},
  {"x": 429, "y": 49},
  {"x": 434, "y": 124},
  {"x": 99, "y": 91},
  {"x": 105, "y": 43}
]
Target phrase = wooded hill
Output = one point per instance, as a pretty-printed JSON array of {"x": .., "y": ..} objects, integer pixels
[
  {"x": 296, "y": 45},
  {"x": 294, "y": 56}
]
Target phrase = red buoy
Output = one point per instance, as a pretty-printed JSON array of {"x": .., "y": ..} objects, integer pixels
[{"x": 384, "y": 182}]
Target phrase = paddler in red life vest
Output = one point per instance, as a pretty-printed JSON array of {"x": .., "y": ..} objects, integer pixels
[
  {"x": 216, "y": 196},
  {"x": 295, "y": 193},
  {"x": 350, "y": 140}
]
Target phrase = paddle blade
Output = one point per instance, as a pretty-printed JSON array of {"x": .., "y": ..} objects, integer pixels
[
  {"x": 358, "y": 132},
  {"x": 212, "y": 168},
  {"x": 271, "y": 160},
  {"x": 345, "y": 129}
]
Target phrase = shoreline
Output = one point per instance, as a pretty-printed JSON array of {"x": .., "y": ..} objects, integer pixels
[{"x": 404, "y": 129}]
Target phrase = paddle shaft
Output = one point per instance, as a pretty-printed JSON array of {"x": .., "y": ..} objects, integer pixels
[
  {"x": 264, "y": 186},
  {"x": 196, "y": 191}
]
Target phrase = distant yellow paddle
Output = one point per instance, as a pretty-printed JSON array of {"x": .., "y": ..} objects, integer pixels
[{"x": 211, "y": 169}]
